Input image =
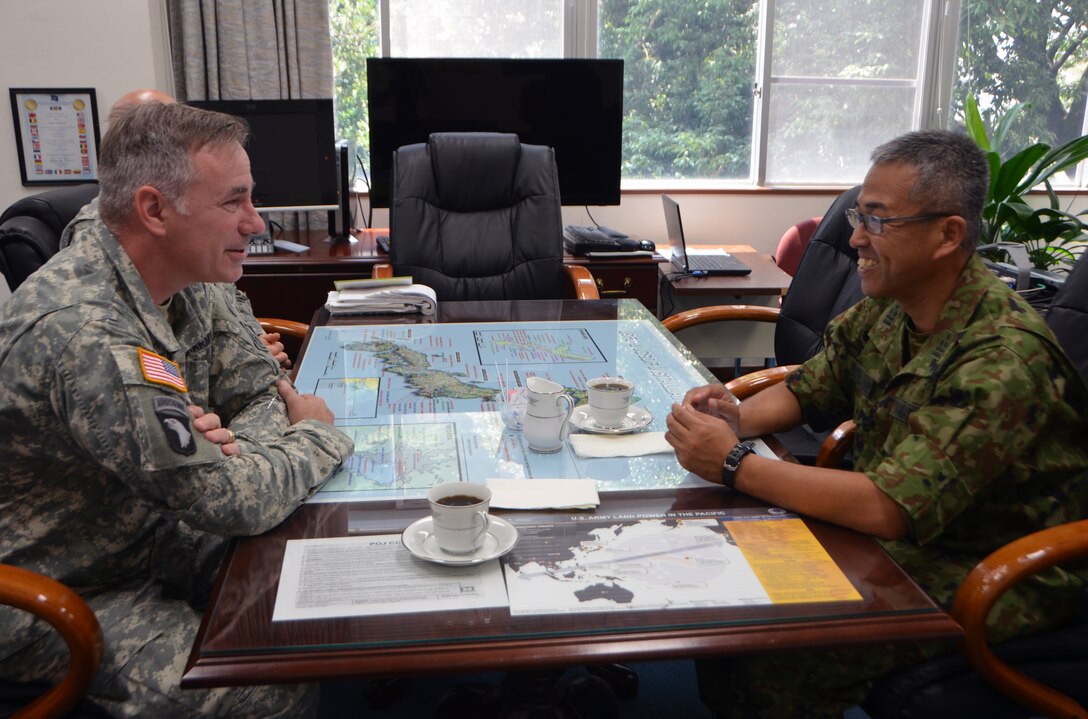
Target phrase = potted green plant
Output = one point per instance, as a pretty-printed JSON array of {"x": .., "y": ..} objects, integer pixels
[{"x": 1051, "y": 235}]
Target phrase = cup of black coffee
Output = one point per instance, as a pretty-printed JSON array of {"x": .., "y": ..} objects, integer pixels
[
  {"x": 459, "y": 513},
  {"x": 609, "y": 400}
]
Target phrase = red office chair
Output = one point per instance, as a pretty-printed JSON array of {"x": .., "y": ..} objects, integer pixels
[{"x": 792, "y": 245}]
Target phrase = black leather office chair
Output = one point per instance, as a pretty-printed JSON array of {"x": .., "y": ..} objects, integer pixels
[
  {"x": 30, "y": 229},
  {"x": 1068, "y": 316},
  {"x": 476, "y": 216},
  {"x": 826, "y": 283}
]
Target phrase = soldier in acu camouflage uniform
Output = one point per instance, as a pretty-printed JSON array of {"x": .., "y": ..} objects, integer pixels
[
  {"x": 89, "y": 212},
  {"x": 970, "y": 425},
  {"x": 142, "y": 420}
]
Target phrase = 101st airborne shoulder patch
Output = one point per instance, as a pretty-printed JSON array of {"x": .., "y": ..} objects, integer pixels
[
  {"x": 175, "y": 419},
  {"x": 159, "y": 370}
]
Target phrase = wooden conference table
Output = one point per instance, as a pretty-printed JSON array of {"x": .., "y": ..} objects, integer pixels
[{"x": 239, "y": 644}]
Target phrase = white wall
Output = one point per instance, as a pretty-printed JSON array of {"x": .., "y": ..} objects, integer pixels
[{"x": 113, "y": 46}]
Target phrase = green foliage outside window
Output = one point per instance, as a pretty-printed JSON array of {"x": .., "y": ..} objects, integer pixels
[
  {"x": 1031, "y": 52},
  {"x": 689, "y": 66},
  {"x": 355, "y": 33},
  {"x": 690, "y": 69}
]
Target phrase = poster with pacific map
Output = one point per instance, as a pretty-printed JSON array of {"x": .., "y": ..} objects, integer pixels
[
  {"x": 607, "y": 562},
  {"x": 423, "y": 402}
]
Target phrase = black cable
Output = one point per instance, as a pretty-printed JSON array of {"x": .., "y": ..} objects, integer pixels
[
  {"x": 275, "y": 228},
  {"x": 349, "y": 221},
  {"x": 591, "y": 217},
  {"x": 668, "y": 278},
  {"x": 369, "y": 222}
]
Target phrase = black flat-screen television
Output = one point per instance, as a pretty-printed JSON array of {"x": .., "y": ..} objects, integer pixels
[
  {"x": 292, "y": 153},
  {"x": 574, "y": 106}
]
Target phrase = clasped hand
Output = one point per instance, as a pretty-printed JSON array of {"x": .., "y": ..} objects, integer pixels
[
  {"x": 703, "y": 429},
  {"x": 213, "y": 430},
  {"x": 299, "y": 407}
]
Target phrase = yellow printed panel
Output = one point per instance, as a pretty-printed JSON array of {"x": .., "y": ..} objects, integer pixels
[{"x": 792, "y": 565}]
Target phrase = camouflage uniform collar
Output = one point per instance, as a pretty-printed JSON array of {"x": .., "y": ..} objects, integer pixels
[
  {"x": 975, "y": 281},
  {"x": 890, "y": 332},
  {"x": 139, "y": 298}
]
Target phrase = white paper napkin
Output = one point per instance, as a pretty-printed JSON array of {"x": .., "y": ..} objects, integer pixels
[
  {"x": 619, "y": 445},
  {"x": 539, "y": 493}
]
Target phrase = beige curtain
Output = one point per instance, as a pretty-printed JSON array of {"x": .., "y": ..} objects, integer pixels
[{"x": 253, "y": 50}]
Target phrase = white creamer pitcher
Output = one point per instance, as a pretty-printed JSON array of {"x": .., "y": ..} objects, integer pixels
[{"x": 546, "y": 415}]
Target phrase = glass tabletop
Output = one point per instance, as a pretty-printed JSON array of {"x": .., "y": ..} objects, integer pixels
[{"x": 240, "y": 643}]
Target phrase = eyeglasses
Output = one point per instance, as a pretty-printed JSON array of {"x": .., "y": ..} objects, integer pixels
[{"x": 875, "y": 225}]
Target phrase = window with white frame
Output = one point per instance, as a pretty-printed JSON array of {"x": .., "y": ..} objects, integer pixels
[{"x": 768, "y": 92}]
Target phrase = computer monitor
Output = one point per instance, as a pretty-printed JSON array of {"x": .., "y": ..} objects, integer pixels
[
  {"x": 574, "y": 106},
  {"x": 292, "y": 153}
]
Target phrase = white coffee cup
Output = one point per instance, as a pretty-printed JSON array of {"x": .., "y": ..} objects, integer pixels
[
  {"x": 609, "y": 400},
  {"x": 459, "y": 514},
  {"x": 546, "y": 413}
]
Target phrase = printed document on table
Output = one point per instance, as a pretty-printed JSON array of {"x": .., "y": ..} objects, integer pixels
[{"x": 371, "y": 575}]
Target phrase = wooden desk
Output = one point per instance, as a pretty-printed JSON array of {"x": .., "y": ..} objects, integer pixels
[
  {"x": 766, "y": 279},
  {"x": 292, "y": 285},
  {"x": 238, "y": 643},
  {"x": 725, "y": 348},
  {"x": 624, "y": 277}
]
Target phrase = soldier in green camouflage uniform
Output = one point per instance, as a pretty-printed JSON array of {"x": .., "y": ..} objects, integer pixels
[
  {"x": 143, "y": 421},
  {"x": 970, "y": 426}
]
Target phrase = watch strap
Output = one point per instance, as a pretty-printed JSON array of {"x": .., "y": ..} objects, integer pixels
[{"x": 733, "y": 460}]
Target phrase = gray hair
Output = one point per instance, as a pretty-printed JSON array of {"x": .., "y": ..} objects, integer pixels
[
  {"x": 152, "y": 144},
  {"x": 953, "y": 175}
]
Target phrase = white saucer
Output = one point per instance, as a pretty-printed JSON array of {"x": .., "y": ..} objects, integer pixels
[
  {"x": 636, "y": 419},
  {"x": 419, "y": 539}
]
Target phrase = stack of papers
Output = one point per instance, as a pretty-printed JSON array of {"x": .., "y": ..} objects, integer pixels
[{"x": 402, "y": 298}]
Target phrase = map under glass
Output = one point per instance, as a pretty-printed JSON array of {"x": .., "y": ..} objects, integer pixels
[{"x": 423, "y": 402}]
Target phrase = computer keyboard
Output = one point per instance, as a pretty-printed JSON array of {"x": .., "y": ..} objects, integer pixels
[
  {"x": 580, "y": 239},
  {"x": 594, "y": 239}
]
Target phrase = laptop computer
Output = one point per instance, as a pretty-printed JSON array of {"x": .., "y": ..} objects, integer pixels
[{"x": 725, "y": 264}]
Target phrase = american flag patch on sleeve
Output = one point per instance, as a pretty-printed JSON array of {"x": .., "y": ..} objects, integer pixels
[{"x": 161, "y": 370}]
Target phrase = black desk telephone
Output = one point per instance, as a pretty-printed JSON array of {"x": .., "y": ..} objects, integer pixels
[{"x": 579, "y": 239}]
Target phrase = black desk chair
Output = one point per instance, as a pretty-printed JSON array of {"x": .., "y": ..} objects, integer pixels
[
  {"x": 476, "y": 216},
  {"x": 30, "y": 229}
]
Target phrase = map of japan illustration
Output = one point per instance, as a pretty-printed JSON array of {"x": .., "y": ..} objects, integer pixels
[{"x": 423, "y": 402}]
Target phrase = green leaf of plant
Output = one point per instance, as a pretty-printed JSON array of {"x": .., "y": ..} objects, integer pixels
[
  {"x": 1010, "y": 178},
  {"x": 975, "y": 129},
  {"x": 1059, "y": 159},
  {"x": 1004, "y": 125}
]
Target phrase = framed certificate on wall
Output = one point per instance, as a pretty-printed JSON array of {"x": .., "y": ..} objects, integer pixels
[{"x": 56, "y": 132}]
